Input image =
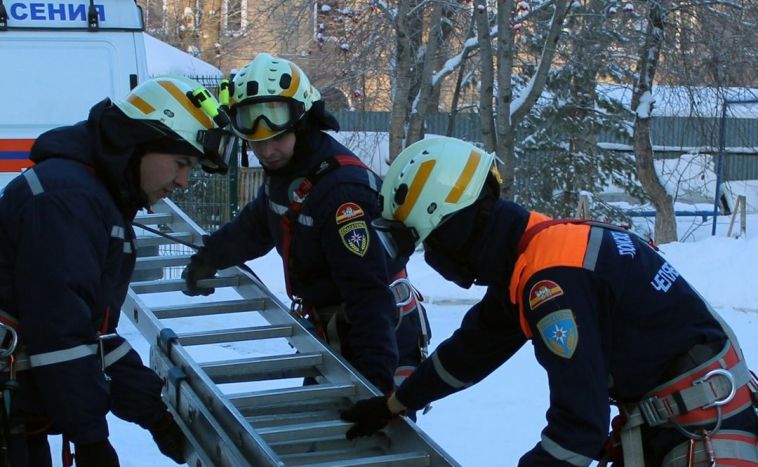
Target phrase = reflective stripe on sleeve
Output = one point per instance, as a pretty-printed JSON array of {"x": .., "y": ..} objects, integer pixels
[
  {"x": 563, "y": 454},
  {"x": 116, "y": 354},
  {"x": 444, "y": 375},
  {"x": 60, "y": 356}
]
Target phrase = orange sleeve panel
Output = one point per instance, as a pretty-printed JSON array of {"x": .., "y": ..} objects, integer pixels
[{"x": 557, "y": 245}]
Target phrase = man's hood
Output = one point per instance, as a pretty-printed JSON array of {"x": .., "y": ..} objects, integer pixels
[{"x": 108, "y": 141}]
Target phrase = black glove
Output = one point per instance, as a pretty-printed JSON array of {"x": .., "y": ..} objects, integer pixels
[
  {"x": 198, "y": 268},
  {"x": 368, "y": 416},
  {"x": 169, "y": 438},
  {"x": 98, "y": 454}
]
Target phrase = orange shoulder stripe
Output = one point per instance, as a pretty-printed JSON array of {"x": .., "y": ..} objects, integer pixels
[{"x": 558, "y": 245}]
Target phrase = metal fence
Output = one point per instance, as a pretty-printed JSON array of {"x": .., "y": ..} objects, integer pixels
[{"x": 213, "y": 200}]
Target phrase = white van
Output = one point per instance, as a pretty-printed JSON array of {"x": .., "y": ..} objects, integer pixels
[{"x": 57, "y": 59}]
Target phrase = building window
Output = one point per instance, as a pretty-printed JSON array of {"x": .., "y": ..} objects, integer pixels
[{"x": 234, "y": 14}]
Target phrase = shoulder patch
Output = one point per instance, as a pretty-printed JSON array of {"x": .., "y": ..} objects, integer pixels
[
  {"x": 355, "y": 237},
  {"x": 543, "y": 291},
  {"x": 559, "y": 332},
  {"x": 347, "y": 212}
]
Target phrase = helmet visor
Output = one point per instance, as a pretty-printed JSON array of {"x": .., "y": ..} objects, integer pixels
[
  {"x": 397, "y": 239},
  {"x": 260, "y": 119},
  {"x": 219, "y": 146}
]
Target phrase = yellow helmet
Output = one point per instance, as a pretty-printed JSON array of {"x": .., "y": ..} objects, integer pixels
[
  {"x": 178, "y": 105},
  {"x": 270, "y": 95},
  {"x": 427, "y": 182}
]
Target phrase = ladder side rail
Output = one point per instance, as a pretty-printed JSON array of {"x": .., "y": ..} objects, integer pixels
[
  {"x": 340, "y": 372},
  {"x": 224, "y": 414}
]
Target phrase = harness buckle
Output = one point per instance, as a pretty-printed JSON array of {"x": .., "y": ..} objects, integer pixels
[
  {"x": 101, "y": 338},
  {"x": 403, "y": 291},
  {"x": 8, "y": 335},
  {"x": 649, "y": 410},
  {"x": 732, "y": 390}
]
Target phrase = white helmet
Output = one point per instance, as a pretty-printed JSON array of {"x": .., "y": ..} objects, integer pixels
[
  {"x": 188, "y": 110},
  {"x": 270, "y": 95},
  {"x": 427, "y": 182}
]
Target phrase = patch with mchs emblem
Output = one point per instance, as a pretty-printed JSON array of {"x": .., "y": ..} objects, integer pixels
[
  {"x": 355, "y": 237},
  {"x": 347, "y": 212},
  {"x": 543, "y": 291},
  {"x": 558, "y": 331}
]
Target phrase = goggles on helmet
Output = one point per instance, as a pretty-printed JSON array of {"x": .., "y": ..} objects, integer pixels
[
  {"x": 275, "y": 112},
  {"x": 397, "y": 239},
  {"x": 218, "y": 149}
]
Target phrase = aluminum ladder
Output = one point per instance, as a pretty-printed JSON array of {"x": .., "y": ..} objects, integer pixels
[{"x": 233, "y": 365}]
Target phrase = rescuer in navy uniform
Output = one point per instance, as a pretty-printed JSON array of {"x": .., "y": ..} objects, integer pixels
[
  {"x": 67, "y": 253},
  {"x": 608, "y": 317},
  {"x": 315, "y": 207}
]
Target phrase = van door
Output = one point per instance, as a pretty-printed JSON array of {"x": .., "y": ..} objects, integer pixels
[{"x": 55, "y": 68}]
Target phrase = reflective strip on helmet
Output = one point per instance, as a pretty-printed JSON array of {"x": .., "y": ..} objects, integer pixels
[
  {"x": 414, "y": 191},
  {"x": 294, "y": 85},
  {"x": 141, "y": 104},
  {"x": 60, "y": 356},
  {"x": 465, "y": 178},
  {"x": 182, "y": 99}
]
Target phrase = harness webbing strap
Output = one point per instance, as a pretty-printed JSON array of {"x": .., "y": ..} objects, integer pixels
[
  {"x": 300, "y": 194},
  {"x": 34, "y": 184},
  {"x": 60, "y": 356},
  {"x": 25, "y": 362},
  {"x": 732, "y": 447}
]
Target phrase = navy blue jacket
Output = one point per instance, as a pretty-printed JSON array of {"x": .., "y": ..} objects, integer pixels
[
  {"x": 66, "y": 257},
  {"x": 334, "y": 258},
  {"x": 605, "y": 332}
]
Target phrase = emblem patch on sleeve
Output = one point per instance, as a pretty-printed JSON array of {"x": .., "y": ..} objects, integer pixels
[
  {"x": 543, "y": 291},
  {"x": 355, "y": 237},
  {"x": 558, "y": 331},
  {"x": 347, "y": 212}
]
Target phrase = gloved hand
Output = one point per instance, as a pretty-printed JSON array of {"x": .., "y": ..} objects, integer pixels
[
  {"x": 97, "y": 454},
  {"x": 169, "y": 438},
  {"x": 368, "y": 416},
  {"x": 198, "y": 268}
]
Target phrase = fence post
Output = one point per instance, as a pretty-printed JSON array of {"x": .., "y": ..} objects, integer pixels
[
  {"x": 583, "y": 208},
  {"x": 739, "y": 206}
]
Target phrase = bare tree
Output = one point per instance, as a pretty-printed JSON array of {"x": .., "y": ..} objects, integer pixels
[{"x": 642, "y": 106}]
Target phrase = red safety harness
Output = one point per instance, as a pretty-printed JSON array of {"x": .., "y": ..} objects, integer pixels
[{"x": 300, "y": 194}]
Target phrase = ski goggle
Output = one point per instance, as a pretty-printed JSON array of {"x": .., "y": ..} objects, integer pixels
[
  {"x": 397, "y": 239},
  {"x": 261, "y": 118},
  {"x": 219, "y": 146}
]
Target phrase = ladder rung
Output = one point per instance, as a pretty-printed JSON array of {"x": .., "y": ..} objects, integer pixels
[
  {"x": 154, "y": 218},
  {"x": 291, "y": 418},
  {"x": 208, "y": 308},
  {"x": 349, "y": 458},
  {"x": 292, "y": 395},
  {"x": 379, "y": 441},
  {"x": 325, "y": 429},
  {"x": 235, "y": 335},
  {"x": 263, "y": 368},
  {"x": 153, "y": 262},
  {"x": 152, "y": 240},
  {"x": 297, "y": 407},
  {"x": 176, "y": 285}
]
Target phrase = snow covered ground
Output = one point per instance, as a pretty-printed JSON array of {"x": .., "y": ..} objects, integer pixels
[{"x": 496, "y": 421}]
